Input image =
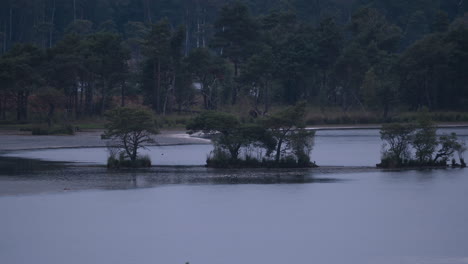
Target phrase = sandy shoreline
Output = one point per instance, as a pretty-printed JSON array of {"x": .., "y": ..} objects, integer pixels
[{"x": 15, "y": 140}]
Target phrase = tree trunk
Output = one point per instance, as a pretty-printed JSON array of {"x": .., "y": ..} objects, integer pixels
[
  {"x": 168, "y": 94},
  {"x": 278, "y": 150},
  {"x": 187, "y": 33},
  {"x": 1, "y": 108},
  {"x": 122, "y": 94},
  {"x": 18, "y": 106},
  {"x": 234, "y": 152},
  {"x": 267, "y": 98},
  {"x": 158, "y": 91},
  {"x": 50, "y": 114},
  {"x": 204, "y": 94},
  {"x": 147, "y": 8},
  {"x": 51, "y": 30},
  {"x": 11, "y": 25},
  {"x": 280, "y": 143},
  {"x": 74, "y": 10},
  {"x": 89, "y": 98},
  {"x": 4, "y": 108},
  {"x": 157, "y": 88},
  {"x": 22, "y": 105},
  {"x": 203, "y": 29},
  {"x": 75, "y": 100},
  {"x": 80, "y": 108},
  {"x": 4, "y": 38},
  {"x": 103, "y": 97},
  {"x": 26, "y": 103},
  {"x": 234, "y": 88}
]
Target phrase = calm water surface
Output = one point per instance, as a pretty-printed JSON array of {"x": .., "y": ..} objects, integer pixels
[
  {"x": 220, "y": 216},
  {"x": 360, "y": 147}
]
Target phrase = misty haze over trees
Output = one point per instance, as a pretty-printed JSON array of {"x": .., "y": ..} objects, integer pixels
[{"x": 80, "y": 58}]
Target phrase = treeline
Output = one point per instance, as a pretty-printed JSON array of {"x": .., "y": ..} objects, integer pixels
[{"x": 83, "y": 57}]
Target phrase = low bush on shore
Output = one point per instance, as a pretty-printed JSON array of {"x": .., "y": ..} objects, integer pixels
[{"x": 53, "y": 130}]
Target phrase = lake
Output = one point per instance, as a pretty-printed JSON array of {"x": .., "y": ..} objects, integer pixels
[{"x": 56, "y": 213}]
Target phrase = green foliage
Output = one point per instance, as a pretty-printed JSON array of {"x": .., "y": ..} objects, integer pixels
[
  {"x": 373, "y": 56},
  {"x": 287, "y": 129},
  {"x": 211, "y": 121},
  {"x": 130, "y": 129},
  {"x": 397, "y": 139},
  {"x": 449, "y": 145},
  {"x": 229, "y": 134},
  {"x": 281, "y": 133},
  {"x": 429, "y": 150},
  {"x": 121, "y": 162},
  {"x": 425, "y": 141},
  {"x": 42, "y": 130}
]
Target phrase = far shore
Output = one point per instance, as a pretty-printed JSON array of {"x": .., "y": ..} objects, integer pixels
[
  {"x": 11, "y": 140},
  {"x": 378, "y": 126}
]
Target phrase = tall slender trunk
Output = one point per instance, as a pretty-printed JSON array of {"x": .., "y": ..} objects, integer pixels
[
  {"x": 280, "y": 144},
  {"x": 187, "y": 34},
  {"x": 1, "y": 108},
  {"x": 4, "y": 38},
  {"x": 203, "y": 29},
  {"x": 147, "y": 11},
  {"x": 267, "y": 97},
  {"x": 4, "y": 108},
  {"x": 103, "y": 97},
  {"x": 18, "y": 106},
  {"x": 198, "y": 30},
  {"x": 11, "y": 25},
  {"x": 169, "y": 94},
  {"x": 122, "y": 94},
  {"x": 235, "y": 87},
  {"x": 74, "y": 10},
  {"x": 89, "y": 97},
  {"x": 75, "y": 98},
  {"x": 157, "y": 86},
  {"x": 278, "y": 150},
  {"x": 50, "y": 114},
  {"x": 22, "y": 105},
  {"x": 81, "y": 97},
  {"x": 51, "y": 30}
]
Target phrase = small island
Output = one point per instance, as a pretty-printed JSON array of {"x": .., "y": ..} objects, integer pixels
[
  {"x": 417, "y": 145},
  {"x": 279, "y": 140}
]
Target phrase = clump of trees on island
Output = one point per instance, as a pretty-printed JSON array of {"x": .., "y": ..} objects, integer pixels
[
  {"x": 279, "y": 140},
  {"x": 418, "y": 145},
  {"x": 129, "y": 130}
]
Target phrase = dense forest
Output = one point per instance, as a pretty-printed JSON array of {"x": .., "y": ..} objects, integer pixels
[{"x": 79, "y": 58}]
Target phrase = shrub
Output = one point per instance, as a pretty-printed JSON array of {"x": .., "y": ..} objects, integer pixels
[
  {"x": 40, "y": 131},
  {"x": 123, "y": 162},
  {"x": 43, "y": 130}
]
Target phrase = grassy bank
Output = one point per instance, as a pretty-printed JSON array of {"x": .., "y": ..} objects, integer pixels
[{"x": 314, "y": 117}]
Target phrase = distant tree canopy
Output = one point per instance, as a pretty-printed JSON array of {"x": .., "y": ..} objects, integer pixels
[{"x": 185, "y": 56}]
